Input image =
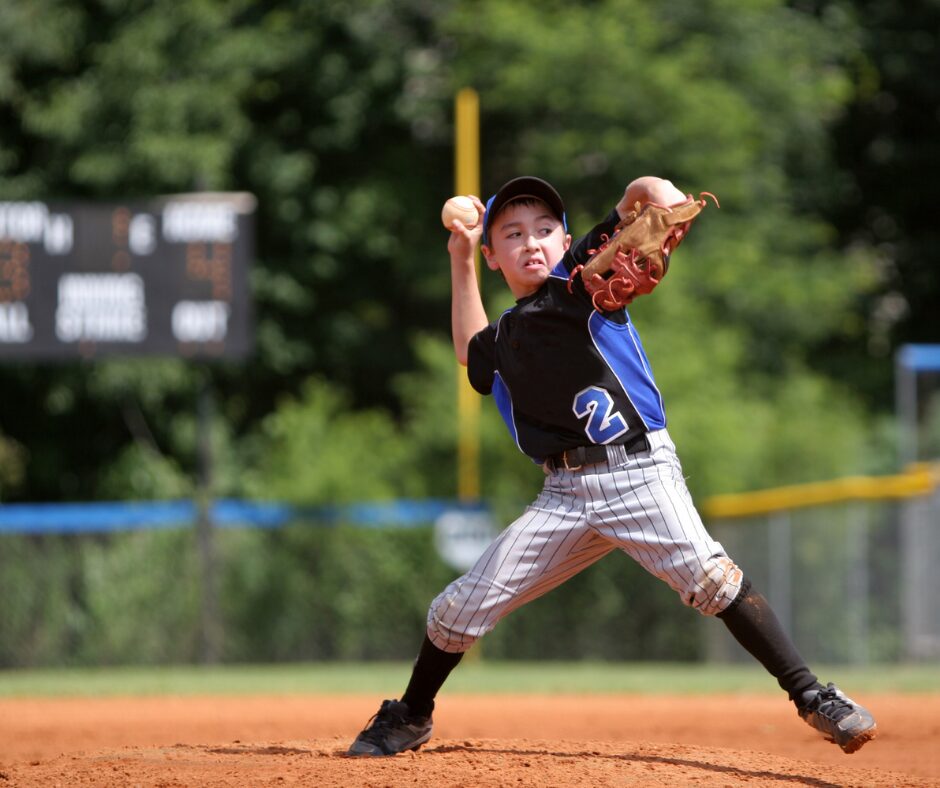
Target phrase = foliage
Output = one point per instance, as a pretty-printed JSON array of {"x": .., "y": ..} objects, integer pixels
[
  {"x": 11, "y": 464},
  {"x": 99, "y": 100},
  {"x": 143, "y": 623},
  {"x": 885, "y": 147},
  {"x": 770, "y": 339},
  {"x": 40, "y": 620},
  {"x": 708, "y": 105},
  {"x": 317, "y": 450},
  {"x": 337, "y": 118}
]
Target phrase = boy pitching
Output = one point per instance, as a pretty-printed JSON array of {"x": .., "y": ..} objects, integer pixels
[{"x": 576, "y": 391}]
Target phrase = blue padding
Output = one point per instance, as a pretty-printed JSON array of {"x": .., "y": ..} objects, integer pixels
[
  {"x": 263, "y": 514},
  {"x": 94, "y": 517},
  {"x": 380, "y": 515},
  {"x": 64, "y": 518}
]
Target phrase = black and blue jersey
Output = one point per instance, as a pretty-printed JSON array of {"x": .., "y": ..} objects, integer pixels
[{"x": 563, "y": 374}]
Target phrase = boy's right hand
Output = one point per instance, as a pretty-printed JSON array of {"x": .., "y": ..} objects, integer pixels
[{"x": 463, "y": 241}]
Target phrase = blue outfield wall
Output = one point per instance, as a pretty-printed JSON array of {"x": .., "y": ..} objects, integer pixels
[{"x": 103, "y": 517}]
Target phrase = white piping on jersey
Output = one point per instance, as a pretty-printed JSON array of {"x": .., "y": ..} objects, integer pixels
[{"x": 610, "y": 366}]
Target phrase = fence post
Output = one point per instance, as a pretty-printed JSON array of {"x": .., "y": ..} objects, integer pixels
[
  {"x": 210, "y": 625},
  {"x": 779, "y": 566},
  {"x": 858, "y": 583},
  {"x": 920, "y": 584}
]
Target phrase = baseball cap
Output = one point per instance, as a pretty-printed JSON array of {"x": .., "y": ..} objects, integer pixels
[{"x": 526, "y": 186}]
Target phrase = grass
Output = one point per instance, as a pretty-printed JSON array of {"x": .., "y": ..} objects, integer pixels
[{"x": 474, "y": 676}]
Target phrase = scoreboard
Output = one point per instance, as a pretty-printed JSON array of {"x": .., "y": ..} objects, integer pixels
[{"x": 163, "y": 277}]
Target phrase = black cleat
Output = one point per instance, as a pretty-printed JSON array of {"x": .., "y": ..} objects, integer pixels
[
  {"x": 840, "y": 719},
  {"x": 392, "y": 730}
]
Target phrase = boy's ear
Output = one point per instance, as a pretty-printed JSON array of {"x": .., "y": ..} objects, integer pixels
[
  {"x": 488, "y": 254},
  {"x": 567, "y": 242}
]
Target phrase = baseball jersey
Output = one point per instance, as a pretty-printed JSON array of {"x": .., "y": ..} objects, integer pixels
[{"x": 563, "y": 374}]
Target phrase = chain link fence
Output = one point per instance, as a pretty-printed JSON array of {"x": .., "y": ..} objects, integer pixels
[{"x": 850, "y": 566}]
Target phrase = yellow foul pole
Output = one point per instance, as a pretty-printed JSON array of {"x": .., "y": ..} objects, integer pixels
[{"x": 467, "y": 181}]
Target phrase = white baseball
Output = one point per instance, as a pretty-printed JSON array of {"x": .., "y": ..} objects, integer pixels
[{"x": 461, "y": 208}]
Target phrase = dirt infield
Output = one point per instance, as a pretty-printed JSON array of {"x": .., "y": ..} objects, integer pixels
[{"x": 479, "y": 741}]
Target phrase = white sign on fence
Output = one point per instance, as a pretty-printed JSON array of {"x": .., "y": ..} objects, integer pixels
[{"x": 461, "y": 537}]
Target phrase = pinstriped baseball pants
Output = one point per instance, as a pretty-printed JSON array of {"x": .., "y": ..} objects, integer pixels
[{"x": 638, "y": 503}]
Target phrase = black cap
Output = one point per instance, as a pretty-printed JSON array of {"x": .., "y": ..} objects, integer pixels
[{"x": 526, "y": 186}]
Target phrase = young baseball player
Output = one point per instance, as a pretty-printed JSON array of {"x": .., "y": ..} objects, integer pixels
[{"x": 576, "y": 391}]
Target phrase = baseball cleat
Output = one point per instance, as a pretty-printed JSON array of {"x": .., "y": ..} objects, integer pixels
[
  {"x": 840, "y": 719},
  {"x": 392, "y": 730}
]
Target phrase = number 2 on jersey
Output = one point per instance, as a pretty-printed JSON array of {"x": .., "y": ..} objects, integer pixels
[{"x": 603, "y": 422}]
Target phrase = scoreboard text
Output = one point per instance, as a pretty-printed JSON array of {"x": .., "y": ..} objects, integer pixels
[{"x": 168, "y": 277}]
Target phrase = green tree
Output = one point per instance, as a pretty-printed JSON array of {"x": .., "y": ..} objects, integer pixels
[
  {"x": 314, "y": 108},
  {"x": 337, "y": 116},
  {"x": 886, "y": 146},
  {"x": 11, "y": 465},
  {"x": 696, "y": 92}
]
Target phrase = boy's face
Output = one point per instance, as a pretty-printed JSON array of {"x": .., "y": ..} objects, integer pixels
[{"x": 526, "y": 241}]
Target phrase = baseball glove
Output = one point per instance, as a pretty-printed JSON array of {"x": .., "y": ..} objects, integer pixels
[{"x": 636, "y": 257}]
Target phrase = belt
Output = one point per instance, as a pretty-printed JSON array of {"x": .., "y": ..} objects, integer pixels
[{"x": 578, "y": 457}]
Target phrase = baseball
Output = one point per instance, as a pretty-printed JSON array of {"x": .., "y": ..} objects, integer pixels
[{"x": 461, "y": 208}]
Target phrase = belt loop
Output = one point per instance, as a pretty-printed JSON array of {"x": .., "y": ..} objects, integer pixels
[{"x": 615, "y": 454}]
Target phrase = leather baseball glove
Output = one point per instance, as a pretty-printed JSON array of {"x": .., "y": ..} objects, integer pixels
[{"x": 636, "y": 257}]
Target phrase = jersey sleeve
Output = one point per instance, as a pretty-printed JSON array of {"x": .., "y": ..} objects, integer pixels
[
  {"x": 580, "y": 251},
  {"x": 481, "y": 360}
]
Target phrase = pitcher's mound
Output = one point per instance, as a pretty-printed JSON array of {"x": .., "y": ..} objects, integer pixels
[{"x": 443, "y": 762}]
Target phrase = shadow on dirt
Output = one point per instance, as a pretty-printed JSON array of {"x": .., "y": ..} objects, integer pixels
[
  {"x": 744, "y": 774},
  {"x": 248, "y": 750}
]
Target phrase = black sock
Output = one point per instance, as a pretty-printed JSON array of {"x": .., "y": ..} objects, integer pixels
[
  {"x": 756, "y": 627},
  {"x": 432, "y": 667}
]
